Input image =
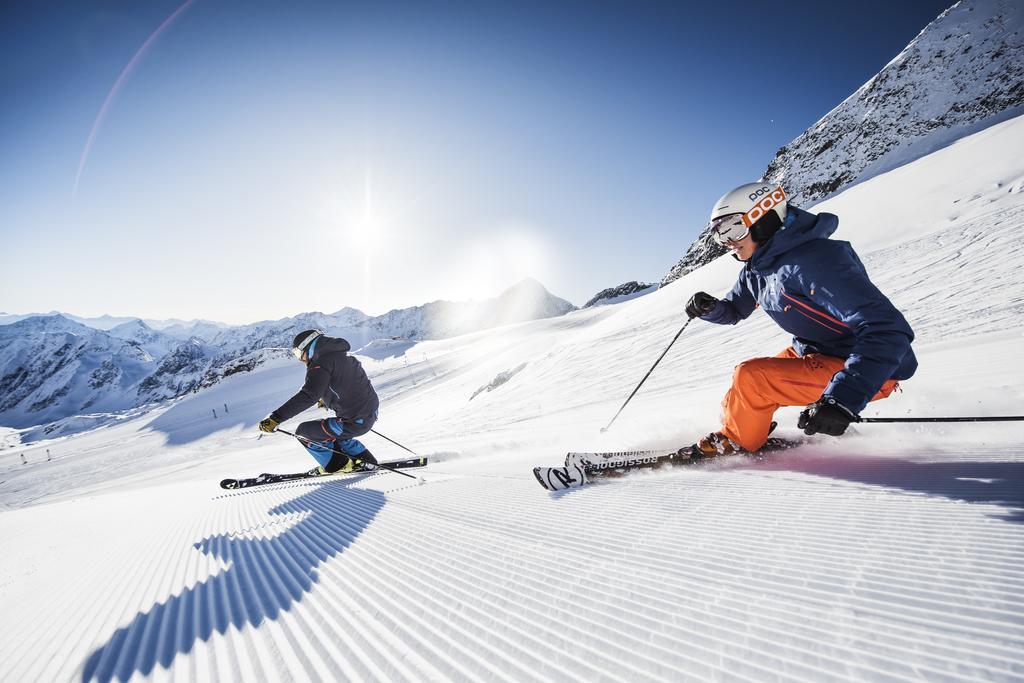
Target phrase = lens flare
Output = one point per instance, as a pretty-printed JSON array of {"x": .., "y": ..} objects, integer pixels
[{"x": 118, "y": 85}]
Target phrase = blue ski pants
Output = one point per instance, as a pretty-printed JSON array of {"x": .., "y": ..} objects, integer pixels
[{"x": 331, "y": 435}]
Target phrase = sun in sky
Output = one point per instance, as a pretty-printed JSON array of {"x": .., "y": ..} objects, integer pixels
[{"x": 211, "y": 159}]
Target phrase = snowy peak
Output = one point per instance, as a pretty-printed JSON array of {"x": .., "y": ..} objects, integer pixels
[
  {"x": 348, "y": 316},
  {"x": 156, "y": 344},
  {"x": 130, "y": 329},
  {"x": 962, "y": 73},
  {"x": 528, "y": 300},
  {"x": 963, "y": 70},
  {"x": 203, "y": 329},
  {"x": 624, "y": 292},
  {"x": 44, "y": 324}
]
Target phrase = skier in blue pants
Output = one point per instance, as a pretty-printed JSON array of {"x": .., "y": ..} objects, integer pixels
[{"x": 336, "y": 381}]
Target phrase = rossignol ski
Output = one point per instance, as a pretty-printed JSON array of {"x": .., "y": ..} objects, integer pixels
[{"x": 581, "y": 467}]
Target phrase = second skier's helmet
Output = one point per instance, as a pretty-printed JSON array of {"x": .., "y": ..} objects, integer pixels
[
  {"x": 302, "y": 341},
  {"x": 757, "y": 208}
]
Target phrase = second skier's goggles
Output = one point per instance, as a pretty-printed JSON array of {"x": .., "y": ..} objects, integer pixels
[
  {"x": 304, "y": 344},
  {"x": 727, "y": 229}
]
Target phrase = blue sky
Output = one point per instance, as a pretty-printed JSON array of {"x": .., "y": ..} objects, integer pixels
[{"x": 260, "y": 159}]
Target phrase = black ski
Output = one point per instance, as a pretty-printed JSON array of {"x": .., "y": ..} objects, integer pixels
[
  {"x": 582, "y": 467},
  {"x": 314, "y": 473},
  {"x": 611, "y": 463}
]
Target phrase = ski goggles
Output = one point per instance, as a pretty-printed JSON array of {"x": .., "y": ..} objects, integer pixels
[
  {"x": 301, "y": 348},
  {"x": 729, "y": 229}
]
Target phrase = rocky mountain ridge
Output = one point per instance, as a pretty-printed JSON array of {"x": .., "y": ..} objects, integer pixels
[
  {"x": 962, "y": 73},
  {"x": 624, "y": 292}
]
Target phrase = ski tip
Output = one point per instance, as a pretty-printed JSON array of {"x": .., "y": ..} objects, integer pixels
[{"x": 229, "y": 484}]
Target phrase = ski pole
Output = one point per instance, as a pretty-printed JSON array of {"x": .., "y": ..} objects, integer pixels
[
  {"x": 395, "y": 442},
  {"x": 1007, "y": 418},
  {"x": 605, "y": 428},
  {"x": 376, "y": 464}
]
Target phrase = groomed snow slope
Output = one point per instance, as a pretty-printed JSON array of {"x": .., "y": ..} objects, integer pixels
[{"x": 893, "y": 554}]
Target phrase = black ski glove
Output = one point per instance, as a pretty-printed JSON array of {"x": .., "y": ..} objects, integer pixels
[
  {"x": 827, "y": 416},
  {"x": 700, "y": 304}
]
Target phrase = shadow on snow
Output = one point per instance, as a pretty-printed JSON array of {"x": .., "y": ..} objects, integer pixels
[
  {"x": 993, "y": 483},
  {"x": 266, "y": 576}
]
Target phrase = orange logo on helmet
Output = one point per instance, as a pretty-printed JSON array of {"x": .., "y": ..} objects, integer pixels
[{"x": 763, "y": 206}]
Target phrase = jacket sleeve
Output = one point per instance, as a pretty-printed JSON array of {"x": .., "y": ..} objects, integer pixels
[
  {"x": 317, "y": 379},
  {"x": 840, "y": 286},
  {"x": 735, "y": 306}
]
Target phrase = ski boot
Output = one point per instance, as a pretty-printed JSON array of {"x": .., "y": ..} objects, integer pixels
[
  {"x": 716, "y": 444},
  {"x": 338, "y": 464},
  {"x": 710, "y": 446}
]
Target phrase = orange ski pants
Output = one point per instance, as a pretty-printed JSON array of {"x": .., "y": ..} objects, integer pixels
[{"x": 760, "y": 386}]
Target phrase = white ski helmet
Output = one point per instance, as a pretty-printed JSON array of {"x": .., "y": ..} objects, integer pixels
[{"x": 760, "y": 206}]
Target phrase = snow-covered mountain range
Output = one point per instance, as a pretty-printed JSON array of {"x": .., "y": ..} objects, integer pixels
[
  {"x": 179, "y": 329},
  {"x": 52, "y": 367},
  {"x": 527, "y": 300},
  {"x": 962, "y": 73}
]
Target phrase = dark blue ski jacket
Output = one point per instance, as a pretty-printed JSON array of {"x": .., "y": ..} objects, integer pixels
[
  {"x": 817, "y": 290},
  {"x": 337, "y": 379}
]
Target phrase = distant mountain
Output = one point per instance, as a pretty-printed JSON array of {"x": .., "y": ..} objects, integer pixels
[
  {"x": 624, "y": 292},
  {"x": 103, "y": 322},
  {"x": 528, "y": 300},
  {"x": 156, "y": 344},
  {"x": 186, "y": 329},
  {"x": 52, "y": 367},
  {"x": 11, "y": 318},
  {"x": 962, "y": 73},
  {"x": 180, "y": 329}
]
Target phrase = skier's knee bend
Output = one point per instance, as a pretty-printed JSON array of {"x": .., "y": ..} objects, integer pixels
[
  {"x": 312, "y": 431},
  {"x": 748, "y": 372}
]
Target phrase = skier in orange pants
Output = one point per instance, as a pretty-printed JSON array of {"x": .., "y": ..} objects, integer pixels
[{"x": 850, "y": 344}]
